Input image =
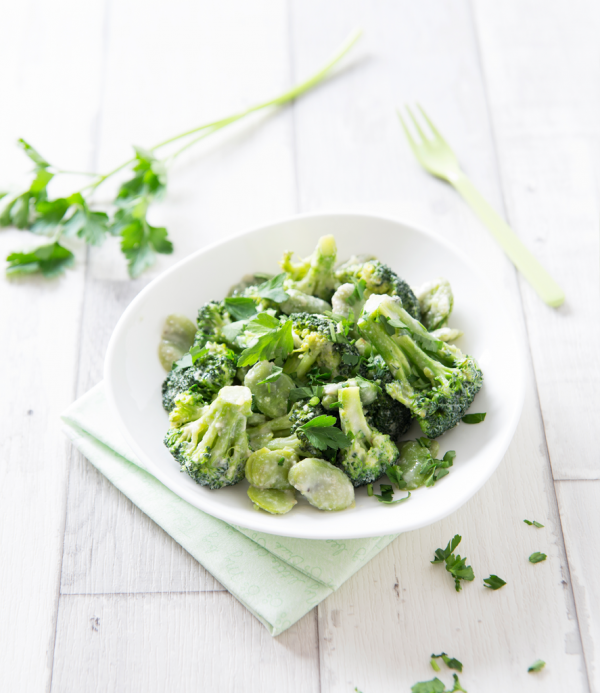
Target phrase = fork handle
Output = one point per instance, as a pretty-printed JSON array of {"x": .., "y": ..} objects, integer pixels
[{"x": 524, "y": 261}]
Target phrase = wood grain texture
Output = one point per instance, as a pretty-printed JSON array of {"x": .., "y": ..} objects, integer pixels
[
  {"x": 579, "y": 502},
  {"x": 178, "y": 642},
  {"x": 543, "y": 75},
  {"x": 53, "y": 107}
]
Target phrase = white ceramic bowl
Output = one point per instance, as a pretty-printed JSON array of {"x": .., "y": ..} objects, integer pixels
[{"x": 133, "y": 374}]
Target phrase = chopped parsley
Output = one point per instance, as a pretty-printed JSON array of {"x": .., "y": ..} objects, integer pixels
[
  {"x": 534, "y": 523},
  {"x": 275, "y": 340},
  {"x": 437, "y": 686},
  {"x": 455, "y": 565},
  {"x": 322, "y": 433},
  {"x": 473, "y": 418},
  {"x": 273, "y": 289},
  {"x": 450, "y": 662},
  {"x": 240, "y": 308},
  {"x": 537, "y": 557},
  {"x": 538, "y": 665},
  {"x": 494, "y": 582}
]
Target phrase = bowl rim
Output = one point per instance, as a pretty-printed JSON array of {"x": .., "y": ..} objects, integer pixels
[{"x": 502, "y": 441}]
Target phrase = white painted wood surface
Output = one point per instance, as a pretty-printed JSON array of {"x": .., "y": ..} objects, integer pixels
[{"x": 94, "y": 595}]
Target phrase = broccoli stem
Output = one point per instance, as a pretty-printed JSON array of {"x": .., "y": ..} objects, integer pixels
[{"x": 352, "y": 416}]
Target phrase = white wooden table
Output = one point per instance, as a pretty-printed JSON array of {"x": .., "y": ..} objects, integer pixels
[{"x": 94, "y": 596}]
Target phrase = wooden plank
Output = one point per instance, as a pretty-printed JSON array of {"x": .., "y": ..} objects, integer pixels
[
  {"x": 215, "y": 66},
  {"x": 106, "y": 535},
  {"x": 179, "y": 642},
  {"x": 578, "y": 502},
  {"x": 51, "y": 54},
  {"x": 351, "y": 153},
  {"x": 542, "y": 74}
]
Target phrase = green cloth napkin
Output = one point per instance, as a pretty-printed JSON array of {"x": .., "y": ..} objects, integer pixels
[{"x": 277, "y": 578}]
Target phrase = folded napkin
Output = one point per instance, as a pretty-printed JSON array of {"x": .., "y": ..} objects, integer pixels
[{"x": 277, "y": 578}]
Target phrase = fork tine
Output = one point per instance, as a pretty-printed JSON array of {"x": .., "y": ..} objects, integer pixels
[
  {"x": 417, "y": 126},
  {"x": 435, "y": 131},
  {"x": 409, "y": 137}
]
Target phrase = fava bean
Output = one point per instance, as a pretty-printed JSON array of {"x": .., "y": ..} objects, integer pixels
[
  {"x": 269, "y": 468},
  {"x": 270, "y": 397},
  {"x": 176, "y": 339},
  {"x": 272, "y": 500},
  {"x": 323, "y": 485}
]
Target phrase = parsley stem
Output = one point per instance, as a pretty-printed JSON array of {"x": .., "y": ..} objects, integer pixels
[
  {"x": 280, "y": 100},
  {"x": 213, "y": 126}
]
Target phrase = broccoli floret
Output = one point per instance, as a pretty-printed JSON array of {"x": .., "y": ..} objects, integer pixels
[
  {"x": 380, "y": 279},
  {"x": 188, "y": 406},
  {"x": 436, "y": 302},
  {"x": 370, "y": 452},
  {"x": 213, "y": 449},
  {"x": 320, "y": 342},
  {"x": 215, "y": 367},
  {"x": 436, "y": 381},
  {"x": 212, "y": 318},
  {"x": 315, "y": 274},
  {"x": 301, "y": 413},
  {"x": 384, "y": 413},
  {"x": 348, "y": 300}
]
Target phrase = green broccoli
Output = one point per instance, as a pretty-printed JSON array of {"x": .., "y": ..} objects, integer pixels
[
  {"x": 380, "y": 279},
  {"x": 301, "y": 413},
  {"x": 212, "y": 318},
  {"x": 370, "y": 452},
  {"x": 319, "y": 341},
  {"x": 315, "y": 274},
  {"x": 214, "y": 368},
  {"x": 433, "y": 379},
  {"x": 384, "y": 413},
  {"x": 213, "y": 449},
  {"x": 436, "y": 302},
  {"x": 188, "y": 406}
]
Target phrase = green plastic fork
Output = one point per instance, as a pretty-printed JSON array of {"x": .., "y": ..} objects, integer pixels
[{"x": 436, "y": 156}]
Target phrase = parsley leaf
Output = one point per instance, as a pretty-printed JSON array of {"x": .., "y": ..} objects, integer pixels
[
  {"x": 273, "y": 289},
  {"x": 455, "y": 565},
  {"x": 50, "y": 260},
  {"x": 433, "y": 686},
  {"x": 305, "y": 392},
  {"x": 274, "y": 342},
  {"x": 434, "y": 469},
  {"x": 535, "y": 523},
  {"x": 240, "y": 307},
  {"x": 322, "y": 433},
  {"x": 350, "y": 359},
  {"x": 387, "y": 494},
  {"x": 473, "y": 418},
  {"x": 538, "y": 665},
  {"x": 537, "y": 557},
  {"x": 450, "y": 662},
  {"x": 436, "y": 686},
  {"x": 139, "y": 240},
  {"x": 274, "y": 376},
  {"x": 394, "y": 473},
  {"x": 494, "y": 582}
]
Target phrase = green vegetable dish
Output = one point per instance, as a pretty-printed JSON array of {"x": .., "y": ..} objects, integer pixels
[{"x": 307, "y": 381}]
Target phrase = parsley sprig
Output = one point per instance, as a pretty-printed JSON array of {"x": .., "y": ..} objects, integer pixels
[
  {"x": 322, "y": 433},
  {"x": 455, "y": 565},
  {"x": 32, "y": 209}
]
